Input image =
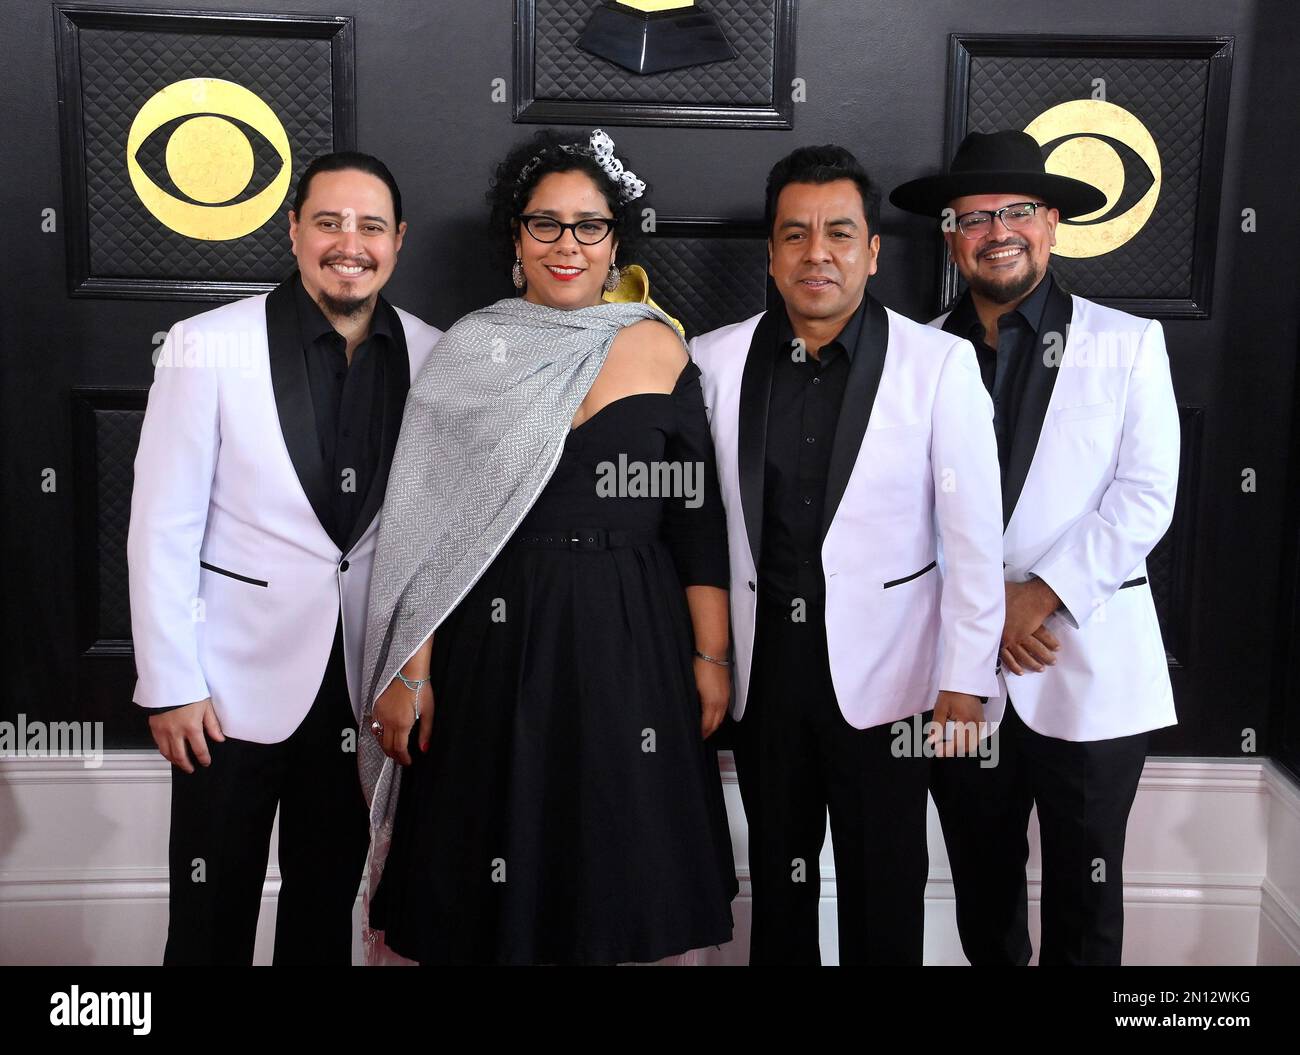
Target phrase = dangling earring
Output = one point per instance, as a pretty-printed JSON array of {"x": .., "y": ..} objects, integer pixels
[
  {"x": 517, "y": 273},
  {"x": 613, "y": 279}
]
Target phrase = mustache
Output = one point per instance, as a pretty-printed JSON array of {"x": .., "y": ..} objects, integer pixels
[
  {"x": 1000, "y": 246},
  {"x": 351, "y": 261}
]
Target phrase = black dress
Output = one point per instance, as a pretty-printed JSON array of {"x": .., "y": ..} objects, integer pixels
[{"x": 568, "y": 810}]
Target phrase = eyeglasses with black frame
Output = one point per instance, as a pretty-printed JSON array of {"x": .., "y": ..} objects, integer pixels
[
  {"x": 1015, "y": 217},
  {"x": 591, "y": 231}
]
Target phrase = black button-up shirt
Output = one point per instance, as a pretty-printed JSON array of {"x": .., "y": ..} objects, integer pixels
[
  {"x": 803, "y": 412},
  {"x": 348, "y": 401},
  {"x": 1004, "y": 368}
]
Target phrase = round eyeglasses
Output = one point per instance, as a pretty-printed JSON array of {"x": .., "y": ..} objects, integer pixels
[
  {"x": 1015, "y": 217},
  {"x": 591, "y": 231}
]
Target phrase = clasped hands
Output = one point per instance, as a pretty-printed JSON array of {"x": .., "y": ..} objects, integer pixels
[{"x": 1027, "y": 644}]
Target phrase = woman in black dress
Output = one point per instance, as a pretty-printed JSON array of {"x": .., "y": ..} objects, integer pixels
[{"x": 560, "y": 801}]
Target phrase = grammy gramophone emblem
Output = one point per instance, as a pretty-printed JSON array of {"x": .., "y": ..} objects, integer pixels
[{"x": 651, "y": 36}]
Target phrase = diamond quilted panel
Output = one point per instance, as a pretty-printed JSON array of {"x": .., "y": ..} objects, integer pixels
[
  {"x": 117, "y": 435},
  {"x": 1160, "y": 574},
  {"x": 565, "y": 72},
  {"x": 120, "y": 70},
  {"x": 706, "y": 282}
]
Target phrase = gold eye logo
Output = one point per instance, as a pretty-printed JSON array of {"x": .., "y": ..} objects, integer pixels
[
  {"x": 1105, "y": 145},
  {"x": 207, "y": 138}
]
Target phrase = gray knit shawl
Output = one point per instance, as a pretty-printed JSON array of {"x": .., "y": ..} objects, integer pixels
[{"x": 484, "y": 428}]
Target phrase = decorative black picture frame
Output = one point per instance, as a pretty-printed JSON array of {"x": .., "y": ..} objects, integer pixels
[
  {"x": 1186, "y": 276},
  {"x": 693, "y": 97},
  {"x": 220, "y": 274},
  {"x": 106, "y": 422}
]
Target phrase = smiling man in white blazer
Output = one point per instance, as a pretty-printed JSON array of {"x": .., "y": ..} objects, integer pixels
[
  {"x": 1088, "y": 441},
  {"x": 859, "y": 474},
  {"x": 261, "y": 469}
]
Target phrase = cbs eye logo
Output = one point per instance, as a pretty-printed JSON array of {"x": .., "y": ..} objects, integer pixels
[
  {"x": 1105, "y": 145},
  {"x": 207, "y": 143}
]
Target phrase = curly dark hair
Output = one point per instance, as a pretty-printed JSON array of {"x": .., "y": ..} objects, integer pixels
[{"x": 508, "y": 194}]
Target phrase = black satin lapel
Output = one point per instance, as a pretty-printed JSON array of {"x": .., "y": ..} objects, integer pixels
[
  {"x": 1040, "y": 379},
  {"x": 397, "y": 382},
  {"x": 859, "y": 397},
  {"x": 293, "y": 397},
  {"x": 751, "y": 441}
]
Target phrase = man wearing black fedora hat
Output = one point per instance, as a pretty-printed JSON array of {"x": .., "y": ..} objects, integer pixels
[{"x": 1087, "y": 432}]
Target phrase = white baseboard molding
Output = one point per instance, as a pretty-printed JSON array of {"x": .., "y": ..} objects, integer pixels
[
  {"x": 1279, "y": 903},
  {"x": 1212, "y": 872}
]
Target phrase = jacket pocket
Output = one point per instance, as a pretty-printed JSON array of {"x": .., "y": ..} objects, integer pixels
[
  {"x": 1084, "y": 412},
  {"x": 232, "y": 574},
  {"x": 915, "y": 575}
]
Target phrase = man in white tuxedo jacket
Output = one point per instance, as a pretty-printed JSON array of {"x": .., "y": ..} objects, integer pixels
[
  {"x": 262, "y": 466},
  {"x": 859, "y": 473},
  {"x": 1088, "y": 443}
]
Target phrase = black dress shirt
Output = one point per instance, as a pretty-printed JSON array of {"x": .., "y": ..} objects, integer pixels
[
  {"x": 803, "y": 412},
  {"x": 348, "y": 404},
  {"x": 348, "y": 401},
  {"x": 1004, "y": 368}
]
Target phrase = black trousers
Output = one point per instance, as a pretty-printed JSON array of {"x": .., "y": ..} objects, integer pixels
[
  {"x": 1083, "y": 791},
  {"x": 222, "y": 818},
  {"x": 797, "y": 758}
]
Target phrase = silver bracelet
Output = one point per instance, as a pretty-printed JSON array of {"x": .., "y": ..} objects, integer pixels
[
  {"x": 415, "y": 686},
  {"x": 713, "y": 659}
]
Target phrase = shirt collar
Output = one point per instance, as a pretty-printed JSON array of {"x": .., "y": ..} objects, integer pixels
[
  {"x": 1032, "y": 307},
  {"x": 312, "y": 323},
  {"x": 966, "y": 320},
  {"x": 847, "y": 338}
]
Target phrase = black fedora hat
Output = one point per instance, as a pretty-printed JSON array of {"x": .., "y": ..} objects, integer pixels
[{"x": 998, "y": 163}]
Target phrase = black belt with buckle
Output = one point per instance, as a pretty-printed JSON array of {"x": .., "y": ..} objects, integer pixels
[{"x": 583, "y": 539}]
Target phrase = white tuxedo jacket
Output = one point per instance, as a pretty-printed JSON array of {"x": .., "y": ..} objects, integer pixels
[
  {"x": 914, "y": 468},
  {"x": 236, "y": 586},
  {"x": 1087, "y": 497}
]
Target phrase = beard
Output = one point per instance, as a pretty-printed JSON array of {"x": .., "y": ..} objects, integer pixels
[
  {"x": 1010, "y": 289},
  {"x": 346, "y": 307},
  {"x": 343, "y": 307}
]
